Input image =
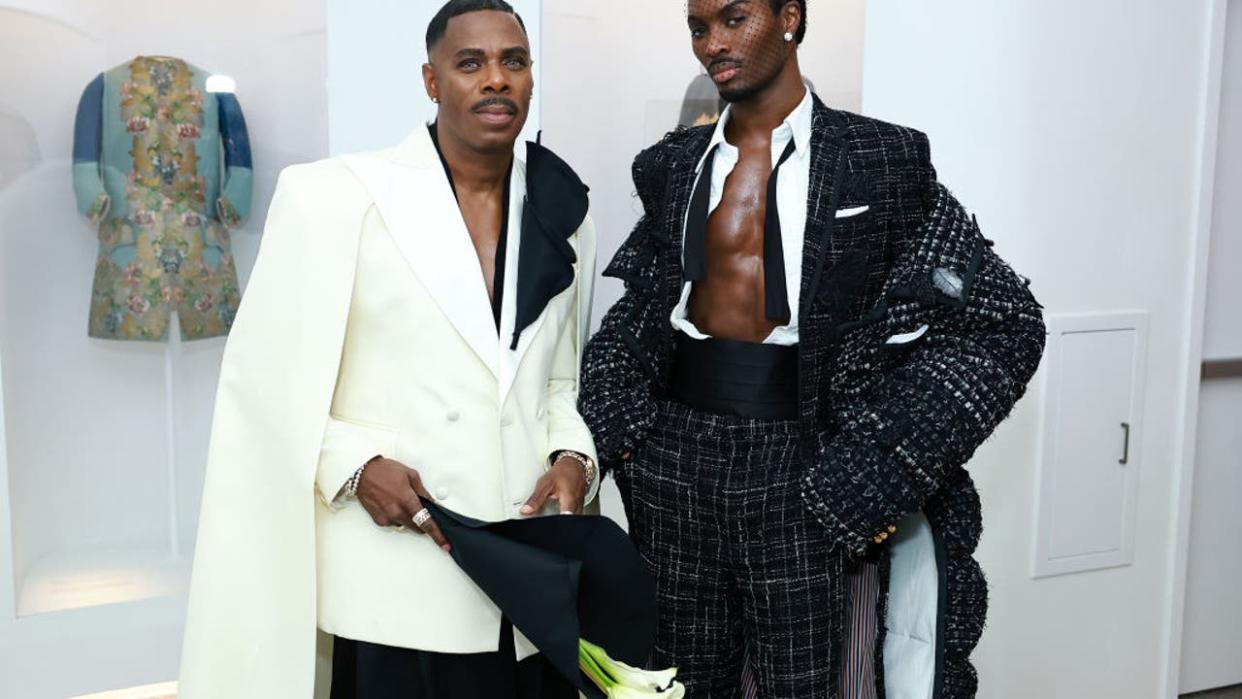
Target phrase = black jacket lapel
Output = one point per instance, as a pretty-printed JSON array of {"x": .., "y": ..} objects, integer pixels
[{"x": 822, "y": 251}]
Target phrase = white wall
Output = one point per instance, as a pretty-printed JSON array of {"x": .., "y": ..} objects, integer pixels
[
  {"x": 1072, "y": 130},
  {"x": 86, "y": 462},
  {"x": 376, "y": 50}
]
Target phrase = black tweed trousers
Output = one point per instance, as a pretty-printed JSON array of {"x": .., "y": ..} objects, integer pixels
[{"x": 739, "y": 561}]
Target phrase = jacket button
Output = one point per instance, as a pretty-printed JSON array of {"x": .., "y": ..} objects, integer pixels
[
  {"x": 453, "y": 416},
  {"x": 540, "y": 413},
  {"x": 506, "y": 421},
  {"x": 442, "y": 493}
]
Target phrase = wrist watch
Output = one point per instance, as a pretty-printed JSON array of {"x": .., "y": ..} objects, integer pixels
[{"x": 588, "y": 466}]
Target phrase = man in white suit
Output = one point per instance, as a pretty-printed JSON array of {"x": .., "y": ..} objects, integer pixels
[{"x": 412, "y": 328}]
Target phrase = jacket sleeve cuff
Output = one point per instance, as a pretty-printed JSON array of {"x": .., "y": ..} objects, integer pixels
[
  {"x": 843, "y": 493},
  {"x": 346, "y": 447}
]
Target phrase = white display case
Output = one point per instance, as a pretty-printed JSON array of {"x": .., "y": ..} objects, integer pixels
[{"x": 103, "y": 442}]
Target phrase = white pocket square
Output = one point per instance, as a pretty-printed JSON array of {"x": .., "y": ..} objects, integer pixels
[
  {"x": 907, "y": 338},
  {"x": 852, "y": 211}
]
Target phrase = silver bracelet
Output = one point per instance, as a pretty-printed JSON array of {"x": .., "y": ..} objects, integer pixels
[
  {"x": 588, "y": 466},
  {"x": 351, "y": 485}
]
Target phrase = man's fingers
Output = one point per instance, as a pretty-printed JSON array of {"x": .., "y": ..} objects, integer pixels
[
  {"x": 377, "y": 515},
  {"x": 411, "y": 506},
  {"x": 395, "y": 514},
  {"x": 430, "y": 528},
  {"x": 543, "y": 490},
  {"x": 416, "y": 482},
  {"x": 414, "y": 508},
  {"x": 568, "y": 500}
]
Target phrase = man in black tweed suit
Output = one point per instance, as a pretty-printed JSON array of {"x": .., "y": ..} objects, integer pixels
[{"x": 814, "y": 338}]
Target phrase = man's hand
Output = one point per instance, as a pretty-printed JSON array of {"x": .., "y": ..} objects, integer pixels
[
  {"x": 565, "y": 483},
  {"x": 390, "y": 492}
]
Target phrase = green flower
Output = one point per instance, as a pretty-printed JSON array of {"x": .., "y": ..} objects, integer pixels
[{"x": 620, "y": 681}]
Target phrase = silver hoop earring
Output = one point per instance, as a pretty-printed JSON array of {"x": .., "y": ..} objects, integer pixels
[{"x": 789, "y": 37}]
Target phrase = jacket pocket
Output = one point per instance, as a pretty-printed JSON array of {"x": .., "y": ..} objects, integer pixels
[
  {"x": 364, "y": 424},
  {"x": 347, "y": 445}
]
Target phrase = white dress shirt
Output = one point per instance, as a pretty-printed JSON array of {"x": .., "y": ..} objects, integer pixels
[{"x": 791, "y": 196}]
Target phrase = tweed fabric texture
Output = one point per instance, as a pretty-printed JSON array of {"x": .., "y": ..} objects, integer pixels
[{"x": 739, "y": 562}]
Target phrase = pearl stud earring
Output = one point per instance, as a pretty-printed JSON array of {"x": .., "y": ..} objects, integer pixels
[{"x": 789, "y": 36}]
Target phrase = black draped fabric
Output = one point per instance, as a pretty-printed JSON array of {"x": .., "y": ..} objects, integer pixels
[{"x": 558, "y": 579}]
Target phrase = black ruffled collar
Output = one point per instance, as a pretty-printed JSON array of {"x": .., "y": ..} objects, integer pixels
[{"x": 555, "y": 206}]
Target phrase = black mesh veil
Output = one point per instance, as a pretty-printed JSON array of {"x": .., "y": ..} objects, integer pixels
[{"x": 742, "y": 45}]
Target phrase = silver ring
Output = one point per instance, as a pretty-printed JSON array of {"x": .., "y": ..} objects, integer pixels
[{"x": 421, "y": 517}]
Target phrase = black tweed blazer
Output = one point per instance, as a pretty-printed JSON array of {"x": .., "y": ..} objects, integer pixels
[{"x": 885, "y": 429}]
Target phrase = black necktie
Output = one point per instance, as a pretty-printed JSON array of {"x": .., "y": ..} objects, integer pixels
[{"x": 776, "y": 298}]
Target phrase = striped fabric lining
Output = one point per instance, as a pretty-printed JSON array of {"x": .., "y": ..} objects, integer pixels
[{"x": 858, "y": 666}]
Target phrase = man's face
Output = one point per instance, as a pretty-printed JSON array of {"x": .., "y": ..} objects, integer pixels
[
  {"x": 481, "y": 73},
  {"x": 740, "y": 42}
]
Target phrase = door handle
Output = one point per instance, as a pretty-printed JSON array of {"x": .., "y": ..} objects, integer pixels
[{"x": 1125, "y": 454}]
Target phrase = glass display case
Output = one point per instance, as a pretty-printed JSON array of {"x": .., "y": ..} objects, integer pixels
[{"x": 139, "y": 147}]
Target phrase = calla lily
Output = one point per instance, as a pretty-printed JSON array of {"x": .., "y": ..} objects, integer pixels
[{"x": 621, "y": 681}]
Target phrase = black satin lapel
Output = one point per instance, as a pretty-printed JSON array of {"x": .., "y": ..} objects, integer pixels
[
  {"x": 556, "y": 204},
  {"x": 829, "y": 157}
]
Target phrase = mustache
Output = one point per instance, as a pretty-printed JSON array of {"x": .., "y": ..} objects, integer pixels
[
  {"x": 496, "y": 101},
  {"x": 723, "y": 61}
]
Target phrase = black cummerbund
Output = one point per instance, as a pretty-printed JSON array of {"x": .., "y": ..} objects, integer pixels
[{"x": 729, "y": 377}]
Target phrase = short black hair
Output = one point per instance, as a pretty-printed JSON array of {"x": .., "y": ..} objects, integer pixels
[
  {"x": 454, "y": 8},
  {"x": 777, "y": 5}
]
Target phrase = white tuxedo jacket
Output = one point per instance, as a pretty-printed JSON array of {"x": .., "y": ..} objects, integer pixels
[{"x": 366, "y": 329}]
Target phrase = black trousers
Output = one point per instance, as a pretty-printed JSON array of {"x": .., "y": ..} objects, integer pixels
[
  {"x": 362, "y": 670},
  {"x": 739, "y": 562}
]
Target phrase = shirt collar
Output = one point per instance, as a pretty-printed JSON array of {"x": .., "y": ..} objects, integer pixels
[{"x": 798, "y": 121}]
